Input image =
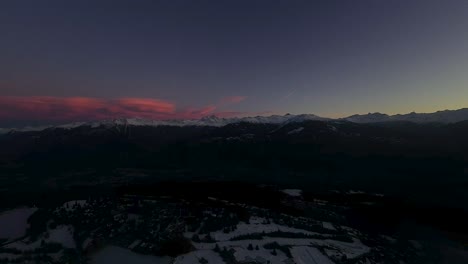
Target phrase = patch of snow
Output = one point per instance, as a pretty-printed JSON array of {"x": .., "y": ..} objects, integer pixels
[
  {"x": 13, "y": 223},
  {"x": 134, "y": 244},
  {"x": 256, "y": 225},
  {"x": 295, "y": 131},
  {"x": 355, "y": 192},
  {"x": 309, "y": 255},
  {"x": 86, "y": 242},
  {"x": 260, "y": 243},
  {"x": 72, "y": 125},
  {"x": 351, "y": 250},
  {"x": 62, "y": 234},
  {"x": 328, "y": 225},
  {"x": 25, "y": 245},
  {"x": 70, "y": 204},
  {"x": 254, "y": 220},
  {"x": 292, "y": 192},
  {"x": 333, "y": 253},
  {"x": 118, "y": 255},
  {"x": 259, "y": 256}
]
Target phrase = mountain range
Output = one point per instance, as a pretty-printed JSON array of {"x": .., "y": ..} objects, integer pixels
[
  {"x": 416, "y": 157},
  {"x": 444, "y": 117}
]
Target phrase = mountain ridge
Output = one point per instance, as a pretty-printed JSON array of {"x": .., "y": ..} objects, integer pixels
[{"x": 444, "y": 116}]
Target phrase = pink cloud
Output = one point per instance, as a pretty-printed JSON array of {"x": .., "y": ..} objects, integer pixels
[
  {"x": 81, "y": 108},
  {"x": 57, "y": 109}
]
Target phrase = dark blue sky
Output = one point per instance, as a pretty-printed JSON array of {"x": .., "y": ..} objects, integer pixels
[{"x": 331, "y": 58}]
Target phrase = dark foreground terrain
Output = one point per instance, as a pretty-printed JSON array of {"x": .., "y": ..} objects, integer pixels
[
  {"x": 299, "y": 192},
  {"x": 207, "y": 222}
]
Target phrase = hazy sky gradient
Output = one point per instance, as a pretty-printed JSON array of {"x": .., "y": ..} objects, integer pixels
[{"x": 331, "y": 58}]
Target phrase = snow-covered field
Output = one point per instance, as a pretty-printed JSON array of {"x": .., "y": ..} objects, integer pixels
[
  {"x": 309, "y": 255},
  {"x": 62, "y": 234},
  {"x": 118, "y": 255},
  {"x": 259, "y": 256},
  {"x": 13, "y": 223},
  {"x": 351, "y": 250},
  {"x": 304, "y": 250},
  {"x": 257, "y": 225}
]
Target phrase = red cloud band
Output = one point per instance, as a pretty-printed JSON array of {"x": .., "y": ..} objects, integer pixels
[
  {"x": 69, "y": 108},
  {"x": 48, "y": 108}
]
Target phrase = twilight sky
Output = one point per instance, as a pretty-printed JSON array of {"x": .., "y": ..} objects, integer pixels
[{"x": 88, "y": 59}]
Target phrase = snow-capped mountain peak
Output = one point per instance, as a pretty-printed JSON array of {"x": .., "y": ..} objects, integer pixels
[
  {"x": 446, "y": 116},
  {"x": 368, "y": 118}
]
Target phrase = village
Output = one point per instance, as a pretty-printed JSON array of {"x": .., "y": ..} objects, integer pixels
[{"x": 146, "y": 229}]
